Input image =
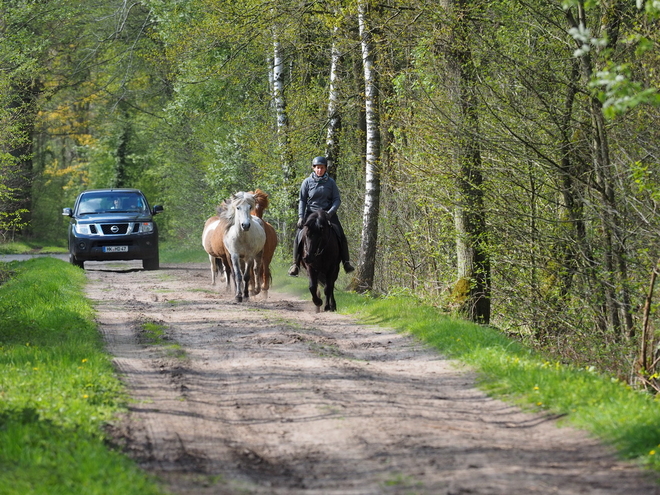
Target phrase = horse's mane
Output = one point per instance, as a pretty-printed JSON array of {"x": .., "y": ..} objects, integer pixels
[
  {"x": 261, "y": 200},
  {"x": 316, "y": 220},
  {"x": 221, "y": 209}
]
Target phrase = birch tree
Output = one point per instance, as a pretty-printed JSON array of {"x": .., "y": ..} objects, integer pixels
[
  {"x": 280, "y": 109},
  {"x": 334, "y": 115},
  {"x": 367, "y": 259}
]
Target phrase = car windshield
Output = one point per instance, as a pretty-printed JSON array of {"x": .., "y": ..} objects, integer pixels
[{"x": 106, "y": 202}]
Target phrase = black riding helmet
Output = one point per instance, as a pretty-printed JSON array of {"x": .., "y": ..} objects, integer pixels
[{"x": 320, "y": 160}]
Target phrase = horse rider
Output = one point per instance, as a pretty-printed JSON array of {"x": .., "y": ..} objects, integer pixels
[{"x": 319, "y": 191}]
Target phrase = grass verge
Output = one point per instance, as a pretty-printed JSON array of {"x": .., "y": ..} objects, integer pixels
[
  {"x": 172, "y": 252},
  {"x": 31, "y": 247},
  {"x": 611, "y": 410},
  {"x": 57, "y": 389}
]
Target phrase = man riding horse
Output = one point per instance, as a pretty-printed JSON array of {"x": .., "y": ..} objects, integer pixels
[{"x": 319, "y": 191}]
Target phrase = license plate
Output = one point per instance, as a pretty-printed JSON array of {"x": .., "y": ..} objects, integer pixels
[{"x": 115, "y": 249}]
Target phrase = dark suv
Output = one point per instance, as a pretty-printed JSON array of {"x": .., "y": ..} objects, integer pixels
[{"x": 113, "y": 224}]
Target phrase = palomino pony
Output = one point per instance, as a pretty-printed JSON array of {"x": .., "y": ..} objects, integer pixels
[
  {"x": 244, "y": 241},
  {"x": 214, "y": 244},
  {"x": 320, "y": 257},
  {"x": 261, "y": 203}
]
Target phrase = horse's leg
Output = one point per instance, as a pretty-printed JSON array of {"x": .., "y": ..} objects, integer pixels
[
  {"x": 265, "y": 280},
  {"x": 227, "y": 266},
  {"x": 238, "y": 276},
  {"x": 246, "y": 278},
  {"x": 313, "y": 287},
  {"x": 257, "y": 265},
  {"x": 250, "y": 269},
  {"x": 214, "y": 269},
  {"x": 330, "y": 303}
]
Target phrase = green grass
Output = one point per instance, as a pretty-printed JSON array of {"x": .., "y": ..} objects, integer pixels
[
  {"x": 57, "y": 389},
  {"x": 31, "y": 247},
  {"x": 172, "y": 252}
]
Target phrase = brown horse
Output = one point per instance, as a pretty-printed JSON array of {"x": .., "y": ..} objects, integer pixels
[
  {"x": 261, "y": 203},
  {"x": 213, "y": 242}
]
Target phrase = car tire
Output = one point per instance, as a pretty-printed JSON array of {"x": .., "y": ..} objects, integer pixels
[
  {"x": 151, "y": 263},
  {"x": 76, "y": 262}
]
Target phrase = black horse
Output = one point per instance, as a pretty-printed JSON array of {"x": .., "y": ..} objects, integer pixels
[{"x": 320, "y": 257}]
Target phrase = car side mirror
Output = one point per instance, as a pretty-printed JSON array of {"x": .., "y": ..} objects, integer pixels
[
  {"x": 67, "y": 212},
  {"x": 157, "y": 209}
]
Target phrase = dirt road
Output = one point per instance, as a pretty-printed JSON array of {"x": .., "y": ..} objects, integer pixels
[{"x": 267, "y": 397}]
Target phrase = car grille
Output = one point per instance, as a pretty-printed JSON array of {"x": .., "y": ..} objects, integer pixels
[{"x": 115, "y": 228}]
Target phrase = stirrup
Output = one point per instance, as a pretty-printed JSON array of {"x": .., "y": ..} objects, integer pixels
[{"x": 293, "y": 271}]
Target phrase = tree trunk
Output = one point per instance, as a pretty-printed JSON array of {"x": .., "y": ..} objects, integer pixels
[
  {"x": 334, "y": 117},
  {"x": 366, "y": 269},
  {"x": 288, "y": 174},
  {"x": 473, "y": 267},
  {"x": 617, "y": 295},
  {"x": 18, "y": 175}
]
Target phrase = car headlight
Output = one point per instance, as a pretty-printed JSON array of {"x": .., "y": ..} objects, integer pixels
[
  {"x": 81, "y": 228},
  {"x": 146, "y": 227}
]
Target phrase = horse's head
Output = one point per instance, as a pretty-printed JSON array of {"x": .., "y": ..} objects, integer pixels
[
  {"x": 238, "y": 209},
  {"x": 261, "y": 202},
  {"x": 243, "y": 203},
  {"x": 314, "y": 234}
]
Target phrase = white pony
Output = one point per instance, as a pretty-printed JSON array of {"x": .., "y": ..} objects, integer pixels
[{"x": 244, "y": 242}]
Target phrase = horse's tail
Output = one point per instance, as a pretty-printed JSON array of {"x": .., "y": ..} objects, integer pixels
[{"x": 267, "y": 277}]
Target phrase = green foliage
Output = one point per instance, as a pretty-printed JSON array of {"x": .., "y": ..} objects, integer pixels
[
  {"x": 616, "y": 85},
  {"x": 175, "y": 98},
  {"x": 58, "y": 389},
  {"x": 619, "y": 93}
]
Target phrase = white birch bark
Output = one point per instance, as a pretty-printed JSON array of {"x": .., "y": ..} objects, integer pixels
[
  {"x": 366, "y": 268},
  {"x": 279, "y": 101},
  {"x": 334, "y": 116}
]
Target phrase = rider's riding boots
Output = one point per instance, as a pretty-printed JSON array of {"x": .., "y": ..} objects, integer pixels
[{"x": 348, "y": 268}]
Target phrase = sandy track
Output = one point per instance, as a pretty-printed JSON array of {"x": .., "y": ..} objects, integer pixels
[{"x": 267, "y": 397}]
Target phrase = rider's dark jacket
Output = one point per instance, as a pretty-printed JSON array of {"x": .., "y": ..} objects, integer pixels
[{"x": 318, "y": 193}]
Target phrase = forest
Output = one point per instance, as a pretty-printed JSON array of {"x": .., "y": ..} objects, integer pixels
[{"x": 497, "y": 159}]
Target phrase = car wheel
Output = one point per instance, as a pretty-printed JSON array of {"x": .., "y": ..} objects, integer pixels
[
  {"x": 75, "y": 261},
  {"x": 151, "y": 263}
]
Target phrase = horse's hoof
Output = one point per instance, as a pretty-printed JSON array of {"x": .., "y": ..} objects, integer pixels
[
  {"x": 318, "y": 309},
  {"x": 239, "y": 298}
]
